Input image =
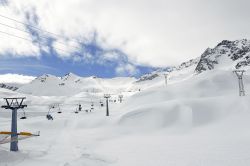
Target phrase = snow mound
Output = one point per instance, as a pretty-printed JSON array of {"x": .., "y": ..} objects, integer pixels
[{"x": 202, "y": 100}]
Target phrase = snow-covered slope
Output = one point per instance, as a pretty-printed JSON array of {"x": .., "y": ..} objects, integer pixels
[
  {"x": 197, "y": 121},
  {"x": 10, "y": 87},
  {"x": 175, "y": 74}
]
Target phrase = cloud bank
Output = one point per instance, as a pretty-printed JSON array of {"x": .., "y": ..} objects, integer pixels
[
  {"x": 155, "y": 33},
  {"x": 15, "y": 78}
]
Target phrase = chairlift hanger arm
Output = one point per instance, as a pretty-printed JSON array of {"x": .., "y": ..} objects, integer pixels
[{"x": 14, "y": 98}]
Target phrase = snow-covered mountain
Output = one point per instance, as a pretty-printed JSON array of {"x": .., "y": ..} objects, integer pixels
[
  {"x": 13, "y": 88},
  {"x": 175, "y": 74},
  {"x": 227, "y": 55},
  {"x": 71, "y": 84}
]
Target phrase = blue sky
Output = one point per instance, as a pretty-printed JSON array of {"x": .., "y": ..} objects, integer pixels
[
  {"x": 56, "y": 66},
  {"x": 52, "y": 64}
]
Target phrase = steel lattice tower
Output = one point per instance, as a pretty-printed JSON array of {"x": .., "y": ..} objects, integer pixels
[
  {"x": 166, "y": 79},
  {"x": 239, "y": 74}
]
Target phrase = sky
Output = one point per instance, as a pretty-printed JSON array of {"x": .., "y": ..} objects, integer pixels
[{"x": 112, "y": 38}]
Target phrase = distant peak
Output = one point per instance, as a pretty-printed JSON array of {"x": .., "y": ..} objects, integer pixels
[
  {"x": 69, "y": 76},
  {"x": 227, "y": 54},
  {"x": 45, "y": 76},
  {"x": 225, "y": 42}
]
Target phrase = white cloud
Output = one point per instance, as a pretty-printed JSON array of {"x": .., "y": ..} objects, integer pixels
[
  {"x": 158, "y": 33},
  {"x": 15, "y": 78},
  {"x": 66, "y": 48},
  {"x": 126, "y": 70},
  {"x": 11, "y": 44}
]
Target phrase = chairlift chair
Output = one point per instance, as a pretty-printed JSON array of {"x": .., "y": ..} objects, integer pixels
[
  {"x": 49, "y": 116},
  {"x": 59, "y": 110},
  {"x": 24, "y": 115},
  {"x": 76, "y": 111},
  {"x": 80, "y": 107}
]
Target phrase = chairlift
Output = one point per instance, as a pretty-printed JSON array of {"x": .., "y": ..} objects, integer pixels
[
  {"x": 76, "y": 111},
  {"x": 49, "y": 116},
  {"x": 80, "y": 107},
  {"x": 101, "y": 103},
  {"x": 59, "y": 110},
  {"x": 24, "y": 115}
]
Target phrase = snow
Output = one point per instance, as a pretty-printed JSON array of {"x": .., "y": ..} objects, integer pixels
[{"x": 194, "y": 120}]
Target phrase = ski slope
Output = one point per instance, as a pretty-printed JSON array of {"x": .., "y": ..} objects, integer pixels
[{"x": 195, "y": 120}]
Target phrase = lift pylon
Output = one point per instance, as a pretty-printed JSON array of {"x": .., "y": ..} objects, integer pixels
[
  {"x": 166, "y": 79},
  {"x": 14, "y": 104},
  {"x": 239, "y": 74},
  {"x": 120, "y": 98},
  {"x": 107, "y": 96}
]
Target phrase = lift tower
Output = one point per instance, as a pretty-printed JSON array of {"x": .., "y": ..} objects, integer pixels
[
  {"x": 120, "y": 97},
  {"x": 107, "y": 96},
  {"x": 14, "y": 104},
  {"x": 239, "y": 74},
  {"x": 166, "y": 79}
]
